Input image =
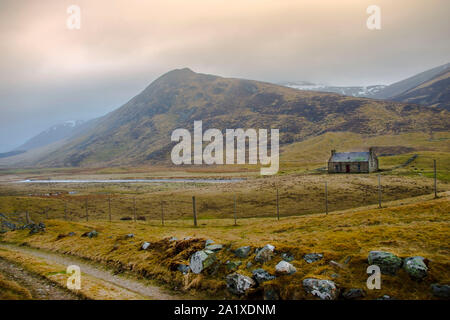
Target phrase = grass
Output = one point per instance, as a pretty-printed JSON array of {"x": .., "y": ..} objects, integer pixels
[
  {"x": 418, "y": 227},
  {"x": 11, "y": 290}
]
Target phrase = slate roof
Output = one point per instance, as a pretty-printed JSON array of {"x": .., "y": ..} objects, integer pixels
[{"x": 350, "y": 157}]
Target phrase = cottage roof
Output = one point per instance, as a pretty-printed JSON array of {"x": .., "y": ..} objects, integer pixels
[{"x": 350, "y": 157}]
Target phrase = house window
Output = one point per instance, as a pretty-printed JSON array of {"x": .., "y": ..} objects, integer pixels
[
  {"x": 359, "y": 167},
  {"x": 336, "y": 167}
]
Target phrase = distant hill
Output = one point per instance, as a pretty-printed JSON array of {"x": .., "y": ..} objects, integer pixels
[
  {"x": 139, "y": 131},
  {"x": 51, "y": 135},
  {"x": 433, "y": 92},
  {"x": 399, "y": 88},
  {"x": 354, "y": 91}
]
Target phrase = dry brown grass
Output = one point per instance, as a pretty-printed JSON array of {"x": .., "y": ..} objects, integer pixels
[
  {"x": 418, "y": 228},
  {"x": 11, "y": 290}
]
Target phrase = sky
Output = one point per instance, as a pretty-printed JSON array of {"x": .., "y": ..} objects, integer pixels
[{"x": 50, "y": 73}]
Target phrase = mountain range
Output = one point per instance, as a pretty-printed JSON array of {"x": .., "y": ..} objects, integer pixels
[{"x": 139, "y": 132}]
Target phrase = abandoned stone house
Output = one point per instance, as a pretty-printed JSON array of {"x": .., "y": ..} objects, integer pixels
[{"x": 353, "y": 162}]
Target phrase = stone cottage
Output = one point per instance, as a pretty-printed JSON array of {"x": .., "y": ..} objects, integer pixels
[{"x": 353, "y": 162}]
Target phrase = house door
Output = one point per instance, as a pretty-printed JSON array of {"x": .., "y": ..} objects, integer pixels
[{"x": 347, "y": 168}]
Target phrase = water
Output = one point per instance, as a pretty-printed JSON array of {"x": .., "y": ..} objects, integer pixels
[{"x": 136, "y": 181}]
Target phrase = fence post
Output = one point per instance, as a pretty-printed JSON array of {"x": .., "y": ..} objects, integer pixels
[
  {"x": 194, "y": 211},
  {"x": 235, "y": 213},
  {"x": 379, "y": 191},
  {"x": 87, "y": 214},
  {"x": 109, "y": 207},
  {"x": 435, "y": 180},
  {"x": 27, "y": 217},
  {"x": 134, "y": 208},
  {"x": 326, "y": 197},
  {"x": 278, "y": 206},
  {"x": 162, "y": 213}
]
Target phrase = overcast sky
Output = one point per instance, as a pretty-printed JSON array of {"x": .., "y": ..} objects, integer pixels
[{"x": 50, "y": 74}]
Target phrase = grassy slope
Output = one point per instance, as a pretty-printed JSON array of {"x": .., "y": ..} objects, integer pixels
[
  {"x": 419, "y": 228},
  {"x": 11, "y": 290}
]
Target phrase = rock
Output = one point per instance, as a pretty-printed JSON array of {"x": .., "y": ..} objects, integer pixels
[
  {"x": 130, "y": 235},
  {"x": 243, "y": 252},
  {"x": 287, "y": 257},
  {"x": 90, "y": 234},
  {"x": 415, "y": 267},
  {"x": 141, "y": 218},
  {"x": 389, "y": 263},
  {"x": 284, "y": 267},
  {"x": 323, "y": 289},
  {"x": 173, "y": 239},
  {"x": 261, "y": 275},
  {"x": 271, "y": 294},
  {"x": 187, "y": 238},
  {"x": 9, "y": 225},
  {"x": 239, "y": 284},
  {"x": 249, "y": 265},
  {"x": 214, "y": 247},
  {"x": 125, "y": 218},
  {"x": 232, "y": 265},
  {"x": 202, "y": 260},
  {"x": 336, "y": 264},
  {"x": 312, "y": 257},
  {"x": 354, "y": 294},
  {"x": 208, "y": 242},
  {"x": 183, "y": 268},
  {"x": 145, "y": 245},
  {"x": 441, "y": 290},
  {"x": 71, "y": 234},
  {"x": 265, "y": 254},
  {"x": 385, "y": 297},
  {"x": 335, "y": 275},
  {"x": 35, "y": 228}
]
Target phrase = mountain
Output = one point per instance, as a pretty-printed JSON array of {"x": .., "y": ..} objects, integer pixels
[
  {"x": 355, "y": 91},
  {"x": 139, "y": 132},
  {"x": 51, "y": 135},
  {"x": 433, "y": 92},
  {"x": 399, "y": 88}
]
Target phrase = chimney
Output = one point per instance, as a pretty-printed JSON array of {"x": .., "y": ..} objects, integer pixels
[
  {"x": 371, "y": 150},
  {"x": 333, "y": 152}
]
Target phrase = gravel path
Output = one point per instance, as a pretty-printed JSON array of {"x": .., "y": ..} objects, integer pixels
[{"x": 152, "y": 292}]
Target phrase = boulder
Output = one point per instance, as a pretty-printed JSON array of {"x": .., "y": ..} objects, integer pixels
[
  {"x": 249, "y": 265},
  {"x": 388, "y": 262},
  {"x": 415, "y": 267},
  {"x": 351, "y": 294},
  {"x": 129, "y": 236},
  {"x": 312, "y": 257},
  {"x": 90, "y": 234},
  {"x": 36, "y": 228},
  {"x": 265, "y": 254},
  {"x": 173, "y": 239},
  {"x": 208, "y": 242},
  {"x": 385, "y": 297},
  {"x": 71, "y": 234},
  {"x": 183, "y": 268},
  {"x": 202, "y": 260},
  {"x": 284, "y": 267},
  {"x": 145, "y": 245},
  {"x": 271, "y": 294},
  {"x": 239, "y": 284},
  {"x": 440, "y": 290},
  {"x": 232, "y": 265},
  {"x": 261, "y": 275},
  {"x": 214, "y": 247},
  {"x": 323, "y": 289},
  {"x": 243, "y": 252},
  {"x": 9, "y": 225},
  {"x": 287, "y": 257}
]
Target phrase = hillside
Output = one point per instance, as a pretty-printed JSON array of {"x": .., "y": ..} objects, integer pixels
[
  {"x": 405, "y": 85},
  {"x": 139, "y": 131},
  {"x": 434, "y": 92},
  {"x": 354, "y": 91}
]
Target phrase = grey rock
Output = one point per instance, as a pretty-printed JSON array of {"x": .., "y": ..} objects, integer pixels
[
  {"x": 261, "y": 275},
  {"x": 287, "y": 257},
  {"x": 9, "y": 225},
  {"x": 271, "y": 294},
  {"x": 265, "y": 254},
  {"x": 312, "y": 257},
  {"x": 173, "y": 239},
  {"x": 249, "y": 265},
  {"x": 36, "y": 228},
  {"x": 239, "y": 284},
  {"x": 187, "y": 238},
  {"x": 130, "y": 235},
  {"x": 441, "y": 290},
  {"x": 214, "y": 247},
  {"x": 415, "y": 267},
  {"x": 388, "y": 262},
  {"x": 90, "y": 234},
  {"x": 354, "y": 294},
  {"x": 71, "y": 234},
  {"x": 232, "y": 265},
  {"x": 243, "y": 252},
  {"x": 145, "y": 245},
  {"x": 385, "y": 297},
  {"x": 208, "y": 242},
  {"x": 323, "y": 289},
  {"x": 202, "y": 260},
  {"x": 183, "y": 268},
  {"x": 284, "y": 267}
]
